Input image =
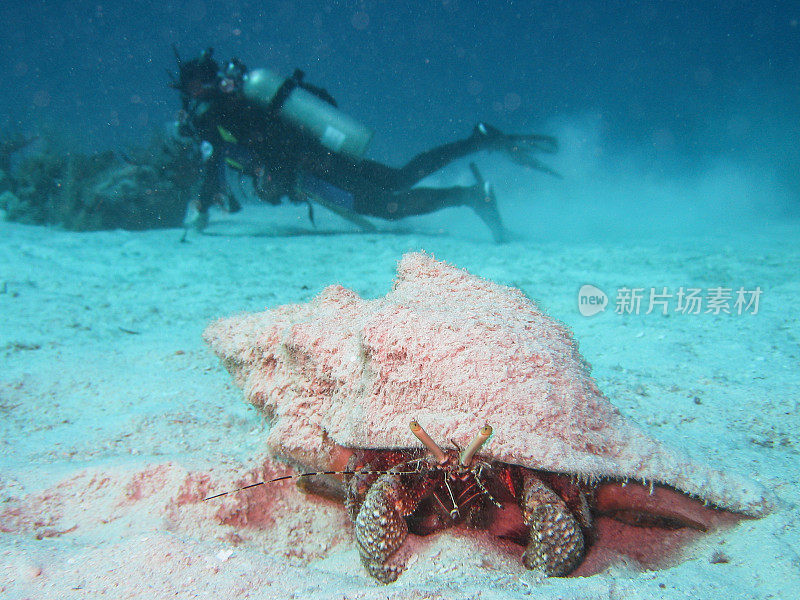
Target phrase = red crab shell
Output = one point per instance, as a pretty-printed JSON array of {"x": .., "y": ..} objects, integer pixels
[{"x": 454, "y": 352}]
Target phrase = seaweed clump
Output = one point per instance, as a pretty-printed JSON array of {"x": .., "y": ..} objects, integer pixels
[{"x": 147, "y": 188}]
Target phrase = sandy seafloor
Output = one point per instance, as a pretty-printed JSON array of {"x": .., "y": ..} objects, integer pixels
[{"x": 115, "y": 417}]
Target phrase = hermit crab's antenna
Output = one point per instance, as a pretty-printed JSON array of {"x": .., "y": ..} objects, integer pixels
[
  {"x": 426, "y": 440},
  {"x": 475, "y": 445}
]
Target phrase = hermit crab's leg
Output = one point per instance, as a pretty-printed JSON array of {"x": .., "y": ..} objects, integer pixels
[
  {"x": 556, "y": 543},
  {"x": 380, "y": 525}
]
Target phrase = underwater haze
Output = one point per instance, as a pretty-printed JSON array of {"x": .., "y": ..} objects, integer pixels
[
  {"x": 700, "y": 98},
  {"x": 664, "y": 232}
]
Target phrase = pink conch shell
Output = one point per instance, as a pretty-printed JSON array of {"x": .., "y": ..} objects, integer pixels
[{"x": 454, "y": 352}]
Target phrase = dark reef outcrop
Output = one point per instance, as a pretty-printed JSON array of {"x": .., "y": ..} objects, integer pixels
[{"x": 43, "y": 182}]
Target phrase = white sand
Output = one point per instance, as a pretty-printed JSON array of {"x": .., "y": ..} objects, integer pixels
[{"x": 115, "y": 418}]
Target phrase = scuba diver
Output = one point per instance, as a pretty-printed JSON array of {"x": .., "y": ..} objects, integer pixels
[{"x": 290, "y": 139}]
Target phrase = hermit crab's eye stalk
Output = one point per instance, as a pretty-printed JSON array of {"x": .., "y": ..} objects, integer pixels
[
  {"x": 475, "y": 445},
  {"x": 423, "y": 437}
]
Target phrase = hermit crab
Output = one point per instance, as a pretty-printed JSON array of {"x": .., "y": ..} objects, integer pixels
[
  {"x": 424, "y": 494},
  {"x": 341, "y": 378}
]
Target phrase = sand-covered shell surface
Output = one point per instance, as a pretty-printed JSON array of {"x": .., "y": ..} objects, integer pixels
[{"x": 454, "y": 352}]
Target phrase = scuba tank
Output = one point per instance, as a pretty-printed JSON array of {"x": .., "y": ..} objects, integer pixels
[{"x": 286, "y": 97}]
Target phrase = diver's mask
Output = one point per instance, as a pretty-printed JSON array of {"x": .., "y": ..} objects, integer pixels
[{"x": 232, "y": 77}]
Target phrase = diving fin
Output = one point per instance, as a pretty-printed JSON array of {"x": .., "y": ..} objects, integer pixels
[
  {"x": 519, "y": 147},
  {"x": 526, "y": 160},
  {"x": 485, "y": 207}
]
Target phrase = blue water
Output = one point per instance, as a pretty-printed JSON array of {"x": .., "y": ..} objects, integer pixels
[{"x": 676, "y": 82}]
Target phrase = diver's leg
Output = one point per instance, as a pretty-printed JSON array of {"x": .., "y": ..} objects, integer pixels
[
  {"x": 429, "y": 162},
  {"x": 213, "y": 191},
  {"x": 422, "y": 200},
  {"x": 418, "y": 201},
  {"x": 210, "y": 187}
]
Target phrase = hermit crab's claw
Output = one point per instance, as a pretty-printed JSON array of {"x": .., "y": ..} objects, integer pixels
[
  {"x": 479, "y": 440},
  {"x": 555, "y": 544},
  {"x": 426, "y": 440},
  {"x": 380, "y": 521}
]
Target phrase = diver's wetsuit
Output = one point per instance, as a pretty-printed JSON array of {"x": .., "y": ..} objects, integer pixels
[
  {"x": 285, "y": 161},
  {"x": 286, "y": 153},
  {"x": 386, "y": 192}
]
